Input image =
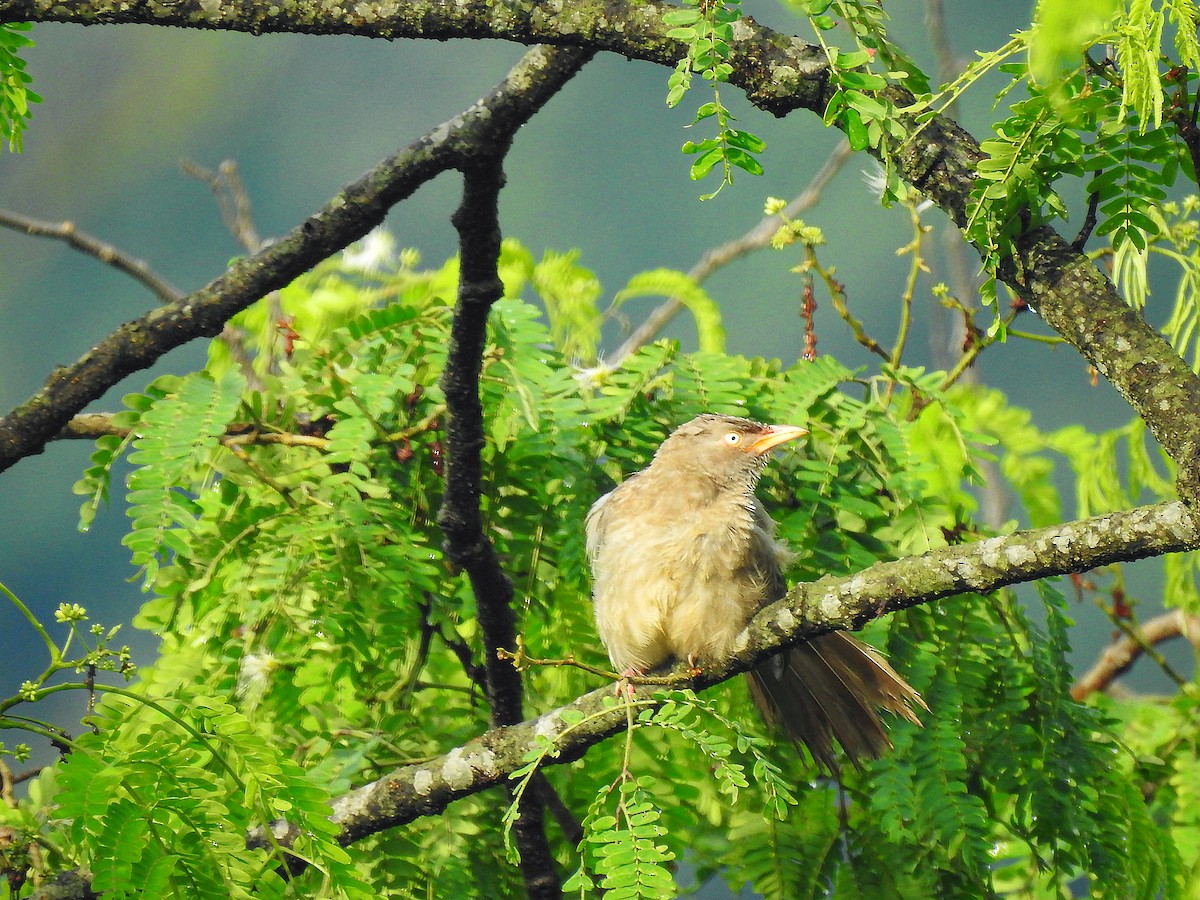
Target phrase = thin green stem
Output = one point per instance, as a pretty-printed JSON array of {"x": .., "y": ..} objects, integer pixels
[
  {"x": 837, "y": 295},
  {"x": 968, "y": 357},
  {"x": 152, "y": 704},
  {"x": 20, "y": 723},
  {"x": 910, "y": 285},
  {"x": 55, "y": 654},
  {"x": 1040, "y": 338}
]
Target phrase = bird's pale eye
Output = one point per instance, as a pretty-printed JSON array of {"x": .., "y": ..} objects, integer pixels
[{"x": 733, "y": 438}]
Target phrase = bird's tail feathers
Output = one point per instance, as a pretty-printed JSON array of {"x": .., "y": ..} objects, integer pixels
[{"x": 831, "y": 688}]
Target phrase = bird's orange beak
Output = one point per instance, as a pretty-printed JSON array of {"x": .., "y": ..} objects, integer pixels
[{"x": 774, "y": 436}]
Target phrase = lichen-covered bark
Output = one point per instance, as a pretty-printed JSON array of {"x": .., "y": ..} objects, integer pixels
[
  {"x": 809, "y": 609},
  {"x": 779, "y": 73},
  {"x": 354, "y": 211},
  {"x": 477, "y": 221}
]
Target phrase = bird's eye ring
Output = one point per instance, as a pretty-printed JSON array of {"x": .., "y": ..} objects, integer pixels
[{"x": 732, "y": 438}]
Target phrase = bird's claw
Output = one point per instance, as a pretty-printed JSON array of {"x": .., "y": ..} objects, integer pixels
[{"x": 624, "y": 685}]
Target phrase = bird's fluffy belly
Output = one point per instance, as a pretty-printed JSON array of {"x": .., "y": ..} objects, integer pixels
[{"x": 660, "y": 603}]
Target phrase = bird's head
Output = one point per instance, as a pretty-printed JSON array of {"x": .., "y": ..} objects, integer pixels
[{"x": 726, "y": 449}]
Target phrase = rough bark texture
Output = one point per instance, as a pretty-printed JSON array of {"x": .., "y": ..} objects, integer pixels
[
  {"x": 779, "y": 73},
  {"x": 461, "y": 517},
  {"x": 809, "y": 609},
  {"x": 348, "y": 216}
]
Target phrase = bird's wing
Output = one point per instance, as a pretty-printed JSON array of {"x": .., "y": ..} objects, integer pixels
[
  {"x": 770, "y": 557},
  {"x": 594, "y": 526}
]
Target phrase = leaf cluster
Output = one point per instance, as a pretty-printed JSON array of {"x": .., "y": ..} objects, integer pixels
[
  {"x": 15, "y": 95},
  {"x": 706, "y": 26},
  {"x": 284, "y": 516}
]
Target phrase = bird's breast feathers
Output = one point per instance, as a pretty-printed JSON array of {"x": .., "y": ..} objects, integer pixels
[{"x": 676, "y": 585}]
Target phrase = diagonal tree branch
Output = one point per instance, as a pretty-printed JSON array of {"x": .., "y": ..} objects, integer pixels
[
  {"x": 1119, "y": 656},
  {"x": 358, "y": 208},
  {"x": 779, "y": 74}
]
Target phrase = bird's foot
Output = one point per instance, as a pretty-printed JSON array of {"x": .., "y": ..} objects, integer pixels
[
  {"x": 624, "y": 685},
  {"x": 693, "y": 668}
]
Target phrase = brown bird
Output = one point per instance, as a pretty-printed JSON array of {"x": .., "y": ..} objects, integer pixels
[{"x": 683, "y": 555}]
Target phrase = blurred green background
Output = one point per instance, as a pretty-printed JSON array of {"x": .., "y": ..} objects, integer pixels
[{"x": 599, "y": 169}]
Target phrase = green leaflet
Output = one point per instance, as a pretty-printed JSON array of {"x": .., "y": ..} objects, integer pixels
[
  {"x": 177, "y": 436},
  {"x": 677, "y": 285},
  {"x": 15, "y": 95}
]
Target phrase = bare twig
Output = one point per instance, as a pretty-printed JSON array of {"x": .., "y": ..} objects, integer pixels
[
  {"x": 106, "y": 253},
  {"x": 915, "y": 248},
  {"x": 976, "y": 345},
  {"x": 233, "y": 200},
  {"x": 755, "y": 239},
  {"x": 1121, "y": 654},
  {"x": 89, "y": 426}
]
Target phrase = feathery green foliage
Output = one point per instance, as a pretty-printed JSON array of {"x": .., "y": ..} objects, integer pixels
[
  {"x": 312, "y": 637},
  {"x": 15, "y": 95}
]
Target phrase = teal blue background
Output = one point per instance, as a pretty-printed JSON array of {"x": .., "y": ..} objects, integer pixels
[{"x": 599, "y": 169}]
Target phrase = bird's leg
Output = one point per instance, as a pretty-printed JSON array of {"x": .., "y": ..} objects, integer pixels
[
  {"x": 693, "y": 668},
  {"x": 624, "y": 684}
]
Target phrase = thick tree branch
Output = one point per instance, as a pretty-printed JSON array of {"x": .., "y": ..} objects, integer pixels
[
  {"x": 358, "y": 208},
  {"x": 780, "y": 73},
  {"x": 461, "y": 516},
  {"x": 808, "y": 610}
]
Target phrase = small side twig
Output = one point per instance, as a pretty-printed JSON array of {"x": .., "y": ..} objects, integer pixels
[
  {"x": 715, "y": 258},
  {"x": 106, "y": 253},
  {"x": 837, "y": 295},
  {"x": 233, "y": 200},
  {"x": 916, "y": 267},
  {"x": 976, "y": 344},
  {"x": 1119, "y": 656},
  {"x": 89, "y": 426},
  {"x": 521, "y": 660},
  {"x": 1089, "y": 222}
]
